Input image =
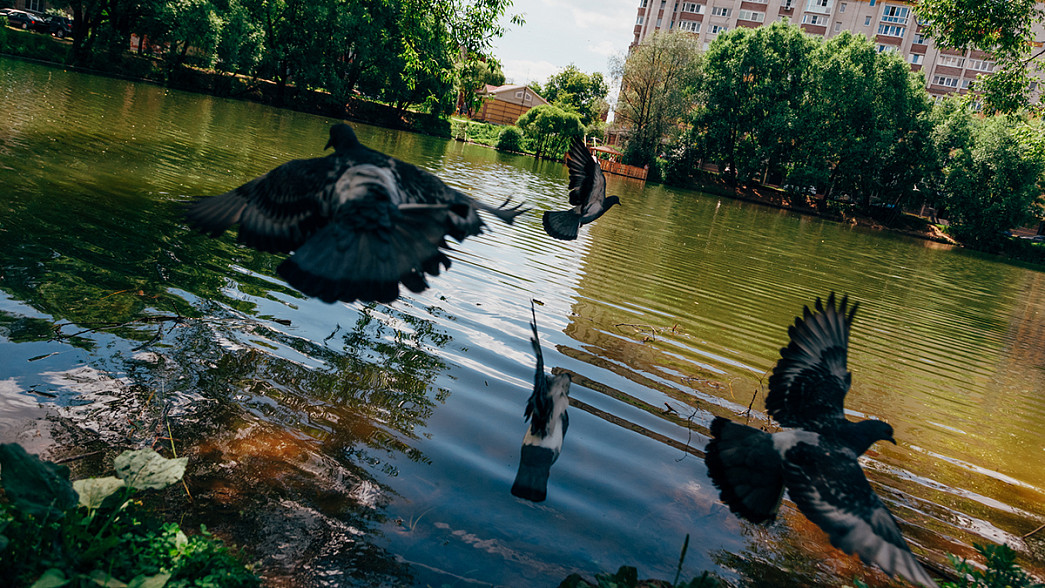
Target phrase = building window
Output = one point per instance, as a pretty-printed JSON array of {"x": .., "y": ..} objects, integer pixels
[
  {"x": 867, "y": 21},
  {"x": 897, "y": 14},
  {"x": 838, "y": 26},
  {"x": 518, "y": 94},
  {"x": 689, "y": 25},
  {"x": 658, "y": 23},
  {"x": 692, "y": 7},
  {"x": 890, "y": 30},
  {"x": 980, "y": 65},
  {"x": 752, "y": 15},
  {"x": 787, "y": 4},
  {"x": 919, "y": 39},
  {"x": 814, "y": 19},
  {"x": 819, "y": 5},
  {"x": 887, "y": 48},
  {"x": 872, "y": 2},
  {"x": 965, "y": 83},
  {"x": 716, "y": 29},
  {"x": 639, "y": 20},
  {"x": 915, "y": 58},
  {"x": 951, "y": 61},
  {"x": 643, "y": 3},
  {"x": 841, "y": 7},
  {"x": 945, "y": 81},
  {"x": 720, "y": 11}
]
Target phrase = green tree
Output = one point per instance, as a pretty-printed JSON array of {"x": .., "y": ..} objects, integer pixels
[
  {"x": 658, "y": 81},
  {"x": 989, "y": 180},
  {"x": 752, "y": 97},
  {"x": 550, "y": 129},
  {"x": 572, "y": 89},
  {"x": 1002, "y": 28}
]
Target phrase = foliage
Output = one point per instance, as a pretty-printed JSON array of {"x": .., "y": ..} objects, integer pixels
[
  {"x": 988, "y": 179},
  {"x": 1001, "y": 570},
  {"x": 573, "y": 90},
  {"x": 753, "y": 96},
  {"x": 91, "y": 532},
  {"x": 510, "y": 139},
  {"x": 28, "y": 44},
  {"x": 658, "y": 81},
  {"x": 414, "y": 53},
  {"x": 550, "y": 129},
  {"x": 1000, "y": 27}
]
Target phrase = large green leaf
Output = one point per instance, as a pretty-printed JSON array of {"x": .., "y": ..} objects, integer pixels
[
  {"x": 35, "y": 487},
  {"x": 148, "y": 469},
  {"x": 94, "y": 491},
  {"x": 143, "y": 581},
  {"x": 52, "y": 578}
]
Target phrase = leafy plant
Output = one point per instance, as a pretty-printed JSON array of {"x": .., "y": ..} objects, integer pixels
[
  {"x": 510, "y": 140},
  {"x": 1001, "y": 570},
  {"x": 91, "y": 532}
]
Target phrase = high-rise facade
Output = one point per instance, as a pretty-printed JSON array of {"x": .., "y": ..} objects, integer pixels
[{"x": 891, "y": 25}]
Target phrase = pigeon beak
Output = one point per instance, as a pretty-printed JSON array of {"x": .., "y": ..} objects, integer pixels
[
  {"x": 328, "y": 145},
  {"x": 891, "y": 440}
]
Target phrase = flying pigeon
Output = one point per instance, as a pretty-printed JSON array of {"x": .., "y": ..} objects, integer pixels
[
  {"x": 546, "y": 411},
  {"x": 816, "y": 460},
  {"x": 358, "y": 222},
  {"x": 587, "y": 195}
]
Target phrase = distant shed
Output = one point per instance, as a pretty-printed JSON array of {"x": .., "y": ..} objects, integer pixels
[{"x": 503, "y": 105}]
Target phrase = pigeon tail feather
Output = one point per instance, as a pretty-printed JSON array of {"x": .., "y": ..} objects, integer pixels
[
  {"x": 531, "y": 481},
  {"x": 341, "y": 263},
  {"x": 562, "y": 225},
  {"x": 746, "y": 468}
]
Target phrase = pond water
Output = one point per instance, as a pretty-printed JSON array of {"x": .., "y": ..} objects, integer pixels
[{"x": 353, "y": 444}]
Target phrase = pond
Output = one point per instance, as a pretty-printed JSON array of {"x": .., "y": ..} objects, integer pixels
[{"x": 354, "y": 444}]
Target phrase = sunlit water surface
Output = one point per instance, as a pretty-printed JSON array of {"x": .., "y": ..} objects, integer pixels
[{"x": 359, "y": 444}]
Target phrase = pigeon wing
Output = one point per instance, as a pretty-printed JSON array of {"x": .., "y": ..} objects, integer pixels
[
  {"x": 809, "y": 383},
  {"x": 539, "y": 406},
  {"x": 829, "y": 487},
  {"x": 422, "y": 187},
  {"x": 277, "y": 211},
  {"x": 587, "y": 184}
]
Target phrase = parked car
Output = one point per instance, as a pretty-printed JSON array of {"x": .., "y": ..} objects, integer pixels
[
  {"x": 26, "y": 21},
  {"x": 60, "y": 26}
]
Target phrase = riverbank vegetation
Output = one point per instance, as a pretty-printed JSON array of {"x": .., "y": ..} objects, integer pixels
[
  {"x": 94, "y": 532},
  {"x": 837, "y": 120}
]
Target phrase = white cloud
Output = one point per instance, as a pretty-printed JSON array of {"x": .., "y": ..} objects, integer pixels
[
  {"x": 523, "y": 71},
  {"x": 604, "y": 48}
]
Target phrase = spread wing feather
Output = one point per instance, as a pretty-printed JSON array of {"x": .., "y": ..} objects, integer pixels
[
  {"x": 829, "y": 487},
  {"x": 809, "y": 383}
]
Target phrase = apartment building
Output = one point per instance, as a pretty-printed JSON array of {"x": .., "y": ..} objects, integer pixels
[{"x": 891, "y": 25}]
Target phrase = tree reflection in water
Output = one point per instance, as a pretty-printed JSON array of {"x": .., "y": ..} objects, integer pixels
[{"x": 282, "y": 432}]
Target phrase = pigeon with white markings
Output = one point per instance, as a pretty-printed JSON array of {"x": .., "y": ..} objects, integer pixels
[
  {"x": 546, "y": 411},
  {"x": 359, "y": 222},
  {"x": 587, "y": 195},
  {"x": 816, "y": 460}
]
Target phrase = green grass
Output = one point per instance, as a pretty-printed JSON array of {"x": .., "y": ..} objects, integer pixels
[{"x": 36, "y": 45}]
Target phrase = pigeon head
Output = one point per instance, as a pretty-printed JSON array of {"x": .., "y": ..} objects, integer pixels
[
  {"x": 864, "y": 434},
  {"x": 342, "y": 138},
  {"x": 610, "y": 201}
]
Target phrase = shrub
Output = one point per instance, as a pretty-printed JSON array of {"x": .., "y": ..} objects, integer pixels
[{"x": 510, "y": 139}]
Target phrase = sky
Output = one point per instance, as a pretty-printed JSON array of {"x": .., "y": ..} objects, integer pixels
[{"x": 560, "y": 32}]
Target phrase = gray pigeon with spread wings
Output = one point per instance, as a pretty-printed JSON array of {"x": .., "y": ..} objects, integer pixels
[
  {"x": 546, "y": 411},
  {"x": 587, "y": 195},
  {"x": 817, "y": 459},
  {"x": 359, "y": 222}
]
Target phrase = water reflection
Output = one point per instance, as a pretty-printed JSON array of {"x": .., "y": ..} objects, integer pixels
[{"x": 384, "y": 440}]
